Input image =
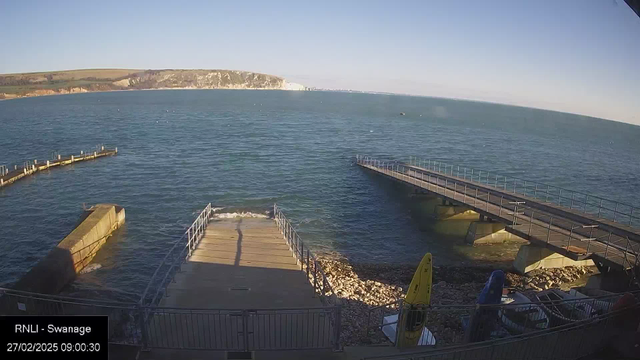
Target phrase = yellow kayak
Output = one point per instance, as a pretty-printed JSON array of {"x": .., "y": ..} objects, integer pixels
[{"x": 414, "y": 315}]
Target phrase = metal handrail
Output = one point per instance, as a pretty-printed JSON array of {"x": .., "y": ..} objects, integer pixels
[
  {"x": 518, "y": 345},
  {"x": 605, "y": 297},
  {"x": 65, "y": 299},
  {"x": 310, "y": 265},
  {"x": 589, "y": 307},
  {"x": 616, "y": 211},
  {"x": 193, "y": 235},
  {"x": 467, "y": 193},
  {"x": 307, "y": 260}
]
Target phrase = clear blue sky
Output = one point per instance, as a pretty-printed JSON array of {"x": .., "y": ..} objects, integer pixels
[{"x": 577, "y": 56}]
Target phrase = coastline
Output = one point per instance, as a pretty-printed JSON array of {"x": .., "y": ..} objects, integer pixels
[
  {"x": 364, "y": 286},
  {"x": 127, "y": 90}
]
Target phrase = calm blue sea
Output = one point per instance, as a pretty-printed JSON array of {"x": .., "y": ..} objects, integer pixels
[{"x": 245, "y": 150}]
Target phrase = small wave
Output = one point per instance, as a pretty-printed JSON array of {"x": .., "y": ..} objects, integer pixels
[
  {"x": 216, "y": 209},
  {"x": 89, "y": 268},
  {"x": 240, "y": 215}
]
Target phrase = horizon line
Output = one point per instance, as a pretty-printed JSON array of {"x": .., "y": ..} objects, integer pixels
[{"x": 327, "y": 89}]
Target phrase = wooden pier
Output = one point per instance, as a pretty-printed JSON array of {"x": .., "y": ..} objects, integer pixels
[
  {"x": 241, "y": 284},
  {"x": 8, "y": 177},
  {"x": 241, "y": 263}
]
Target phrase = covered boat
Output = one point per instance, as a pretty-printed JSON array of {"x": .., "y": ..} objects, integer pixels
[{"x": 520, "y": 315}]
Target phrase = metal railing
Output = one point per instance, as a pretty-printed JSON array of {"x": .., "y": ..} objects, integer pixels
[
  {"x": 125, "y": 319},
  {"x": 450, "y": 325},
  {"x": 313, "y": 270},
  {"x": 197, "y": 329},
  {"x": 572, "y": 340},
  {"x": 179, "y": 253},
  {"x": 597, "y": 206},
  {"x": 243, "y": 329},
  {"x": 307, "y": 260},
  {"x": 525, "y": 221}
]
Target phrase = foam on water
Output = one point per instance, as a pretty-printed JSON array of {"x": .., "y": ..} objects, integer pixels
[
  {"x": 90, "y": 268},
  {"x": 240, "y": 215}
]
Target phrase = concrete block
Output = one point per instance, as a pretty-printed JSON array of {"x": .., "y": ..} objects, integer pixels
[
  {"x": 532, "y": 257},
  {"x": 454, "y": 212},
  {"x": 74, "y": 252},
  {"x": 485, "y": 232}
]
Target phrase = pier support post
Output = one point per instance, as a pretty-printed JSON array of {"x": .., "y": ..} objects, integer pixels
[
  {"x": 531, "y": 257},
  {"x": 71, "y": 158},
  {"x": 47, "y": 163},
  {"x": 488, "y": 232},
  {"x": 59, "y": 156},
  {"x": 1, "y": 182}
]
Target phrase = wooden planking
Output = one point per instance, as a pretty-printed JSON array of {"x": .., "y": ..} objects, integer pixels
[{"x": 241, "y": 253}]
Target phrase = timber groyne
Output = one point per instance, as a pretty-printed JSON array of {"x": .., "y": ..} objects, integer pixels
[{"x": 9, "y": 176}]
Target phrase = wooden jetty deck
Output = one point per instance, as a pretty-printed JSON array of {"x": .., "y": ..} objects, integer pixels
[
  {"x": 573, "y": 235},
  {"x": 241, "y": 263},
  {"x": 8, "y": 177},
  {"x": 242, "y": 289}
]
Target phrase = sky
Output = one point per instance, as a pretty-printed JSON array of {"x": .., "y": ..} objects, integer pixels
[{"x": 577, "y": 56}]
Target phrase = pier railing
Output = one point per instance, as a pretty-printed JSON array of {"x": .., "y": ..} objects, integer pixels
[
  {"x": 307, "y": 260},
  {"x": 597, "y": 206},
  {"x": 195, "y": 329},
  {"x": 242, "y": 329},
  {"x": 179, "y": 253},
  {"x": 570, "y": 238}
]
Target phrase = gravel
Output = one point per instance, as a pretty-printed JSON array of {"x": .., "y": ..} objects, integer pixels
[{"x": 362, "y": 287}]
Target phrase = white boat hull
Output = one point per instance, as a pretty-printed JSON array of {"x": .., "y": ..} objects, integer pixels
[{"x": 389, "y": 329}]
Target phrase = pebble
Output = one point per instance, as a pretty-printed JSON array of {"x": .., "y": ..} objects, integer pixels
[{"x": 365, "y": 287}]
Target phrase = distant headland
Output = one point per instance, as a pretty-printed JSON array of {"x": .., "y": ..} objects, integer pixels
[{"x": 89, "y": 80}]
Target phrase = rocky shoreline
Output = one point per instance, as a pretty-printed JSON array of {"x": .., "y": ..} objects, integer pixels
[{"x": 362, "y": 287}]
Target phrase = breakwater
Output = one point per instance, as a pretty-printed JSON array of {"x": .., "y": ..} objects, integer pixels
[
  {"x": 9, "y": 176},
  {"x": 74, "y": 252}
]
